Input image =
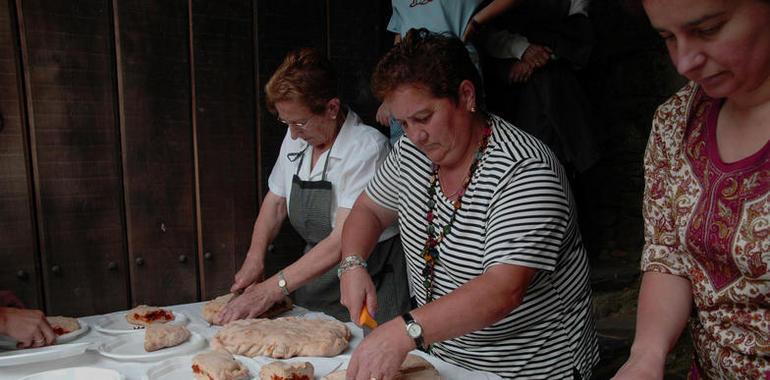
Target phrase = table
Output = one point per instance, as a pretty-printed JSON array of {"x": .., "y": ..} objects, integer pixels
[{"x": 136, "y": 370}]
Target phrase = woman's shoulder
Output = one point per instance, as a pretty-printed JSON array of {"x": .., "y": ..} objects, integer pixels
[
  {"x": 517, "y": 145},
  {"x": 671, "y": 118},
  {"x": 679, "y": 103},
  {"x": 358, "y": 136}
]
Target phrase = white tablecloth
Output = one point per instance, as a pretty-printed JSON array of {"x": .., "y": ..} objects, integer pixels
[{"x": 136, "y": 370}]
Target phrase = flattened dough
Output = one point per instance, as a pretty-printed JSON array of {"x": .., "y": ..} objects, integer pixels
[
  {"x": 218, "y": 365},
  {"x": 159, "y": 336},
  {"x": 63, "y": 325},
  {"x": 144, "y": 315},
  {"x": 286, "y": 371},
  {"x": 283, "y": 338}
]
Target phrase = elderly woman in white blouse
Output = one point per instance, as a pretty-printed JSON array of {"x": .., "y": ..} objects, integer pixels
[{"x": 326, "y": 159}]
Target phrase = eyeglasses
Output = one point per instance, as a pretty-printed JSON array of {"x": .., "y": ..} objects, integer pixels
[{"x": 302, "y": 125}]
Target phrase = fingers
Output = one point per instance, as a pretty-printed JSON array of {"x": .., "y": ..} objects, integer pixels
[
  {"x": 352, "y": 371},
  {"x": 48, "y": 333}
]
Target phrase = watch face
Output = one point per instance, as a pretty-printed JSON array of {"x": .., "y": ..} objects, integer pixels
[
  {"x": 282, "y": 283},
  {"x": 414, "y": 330}
]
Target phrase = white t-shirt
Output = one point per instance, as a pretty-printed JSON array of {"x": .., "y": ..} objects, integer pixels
[{"x": 357, "y": 152}]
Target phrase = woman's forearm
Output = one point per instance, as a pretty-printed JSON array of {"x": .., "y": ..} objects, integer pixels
[
  {"x": 322, "y": 257},
  {"x": 494, "y": 9},
  {"x": 272, "y": 213},
  {"x": 477, "y": 304},
  {"x": 665, "y": 302}
]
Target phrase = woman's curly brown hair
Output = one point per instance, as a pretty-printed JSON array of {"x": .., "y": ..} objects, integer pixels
[
  {"x": 306, "y": 76},
  {"x": 437, "y": 62}
]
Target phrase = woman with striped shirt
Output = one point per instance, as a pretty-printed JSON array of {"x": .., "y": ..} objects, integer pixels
[{"x": 488, "y": 225}]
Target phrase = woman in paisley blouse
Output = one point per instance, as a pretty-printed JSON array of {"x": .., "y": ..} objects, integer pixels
[{"x": 707, "y": 195}]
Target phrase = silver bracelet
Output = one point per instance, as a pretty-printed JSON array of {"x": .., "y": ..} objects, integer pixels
[{"x": 350, "y": 262}]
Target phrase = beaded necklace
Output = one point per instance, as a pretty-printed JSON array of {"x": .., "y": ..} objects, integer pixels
[{"x": 430, "y": 249}]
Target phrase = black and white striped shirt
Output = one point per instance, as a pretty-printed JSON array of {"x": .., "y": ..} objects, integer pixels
[{"x": 517, "y": 210}]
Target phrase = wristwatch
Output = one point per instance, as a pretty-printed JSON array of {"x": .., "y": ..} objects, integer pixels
[
  {"x": 413, "y": 329},
  {"x": 282, "y": 283}
]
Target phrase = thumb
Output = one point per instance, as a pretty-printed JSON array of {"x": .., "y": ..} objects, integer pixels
[{"x": 237, "y": 285}]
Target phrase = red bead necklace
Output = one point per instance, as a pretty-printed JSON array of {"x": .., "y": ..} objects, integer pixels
[{"x": 435, "y": 234}]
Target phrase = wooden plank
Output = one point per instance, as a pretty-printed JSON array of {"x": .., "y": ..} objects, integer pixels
[
  {"x": 225, "y": 122},
  {"x": 154, "y": 91},
  {"x": 282, "y": 26},
  {"x": 18, "y": 272},
  {"x": 68, "y": 56}
]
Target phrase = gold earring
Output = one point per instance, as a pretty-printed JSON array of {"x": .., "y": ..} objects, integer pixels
[{"x": 473, "y": 108}]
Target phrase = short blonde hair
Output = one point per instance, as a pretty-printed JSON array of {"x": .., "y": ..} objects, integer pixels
[{"x": 306, "y": 76}]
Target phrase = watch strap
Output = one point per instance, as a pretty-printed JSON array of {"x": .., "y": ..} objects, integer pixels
[
  {"x": 282, "y": 283},
  {"x": 409, "y": 320}
]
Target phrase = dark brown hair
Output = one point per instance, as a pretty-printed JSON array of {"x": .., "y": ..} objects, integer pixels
[
  {"x": 306, "y": 76},
  {"x": 436, "y": 62}
]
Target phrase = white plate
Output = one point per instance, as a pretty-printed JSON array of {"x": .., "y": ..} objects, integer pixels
[
  {"x": 321, "y": 366},
  {"x": 181, "y": 369},
  {"x": 77, "y": 373},
  {"x": 33, "y": 355},
  {"x": 116, "y": 323},
  {"x": 7, "y": 343},
  {"x": 130, "y": 347}
]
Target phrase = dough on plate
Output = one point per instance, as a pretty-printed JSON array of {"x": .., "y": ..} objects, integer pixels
[
  {"x": 63, "y": 325},
  {"x": 144, "y": 315},
  {"x": 218, "y": 365},
  {"x": 413, "y": 368},
  {"x": 283, "y": 338},
  {"x": 158, "y": 336},
  {"x": 212, "y": 308},
  {"x": 286, "y": 371}
]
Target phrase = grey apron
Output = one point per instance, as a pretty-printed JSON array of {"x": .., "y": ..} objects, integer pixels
[{"x": 310, "y": 215}]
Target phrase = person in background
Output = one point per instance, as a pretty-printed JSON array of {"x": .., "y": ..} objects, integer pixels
[
  {"x": 464, "y": 19},
  {"x": 532, "y": 54},
  {"x": 489, "y": 229},
  {"x": 325, "y": 160},
  {"x": 707, "y": 195},
  {"x": 28, "y": 327}
]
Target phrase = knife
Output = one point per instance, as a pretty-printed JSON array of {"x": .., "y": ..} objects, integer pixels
[{"x": 366, "y": 321}]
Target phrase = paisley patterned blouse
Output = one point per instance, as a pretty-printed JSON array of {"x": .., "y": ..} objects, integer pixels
[{"x": 709, "y": 222}]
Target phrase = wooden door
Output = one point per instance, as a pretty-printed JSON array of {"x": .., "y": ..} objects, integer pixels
[
  {"x": 75, "y": 153},
  {"x": 18, "y": 256},
  {"x": 225, "y": 124},
  {"x": 154, "y": 87}
]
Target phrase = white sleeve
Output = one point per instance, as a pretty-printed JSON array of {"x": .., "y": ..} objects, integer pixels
[
  {"x": 579, "y": 7},
  {"x": 359, "y": 169},
  {"x": 504, "y": 44}
]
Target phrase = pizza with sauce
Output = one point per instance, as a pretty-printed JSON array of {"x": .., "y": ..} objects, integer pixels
[{"x": 144, "y": 315}]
